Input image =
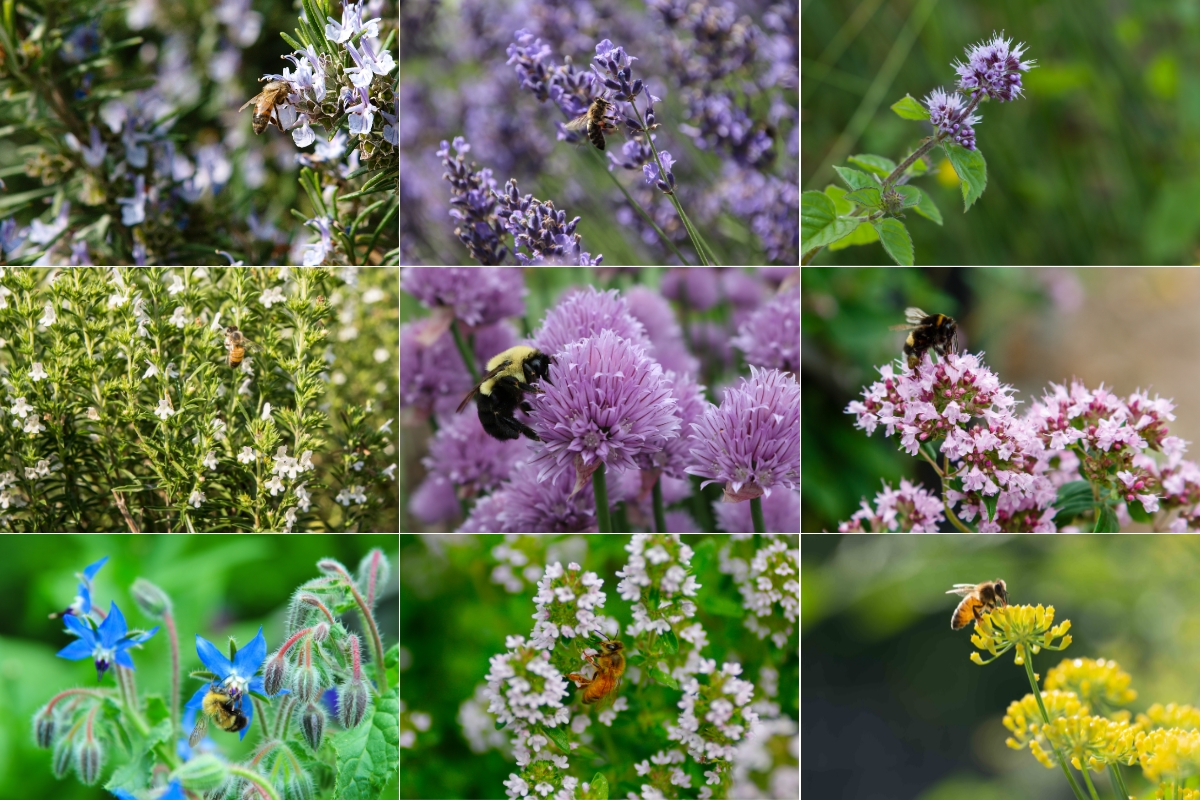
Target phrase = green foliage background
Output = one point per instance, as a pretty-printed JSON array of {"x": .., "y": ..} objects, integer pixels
[
  {"x": 221, "y": 586},
  {"x": 454, "y": 618},
  {"x": 1099, "y": 163}
]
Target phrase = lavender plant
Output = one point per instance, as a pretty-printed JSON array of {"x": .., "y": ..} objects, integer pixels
[
  {"x": 721, "y": 174},
  {"x": 1077, "y": 457},
  {"x": 879, "y": 192},
  {"x": 126, "y": 412},
  {"x": 321, "y": 673},
  {"x": 108, "y": 141}
]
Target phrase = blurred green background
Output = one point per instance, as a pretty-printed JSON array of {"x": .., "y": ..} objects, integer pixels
[
  {"x": 1127, "y": 329},
  {"x": 455, "y": 617},
  {"x": 893, "y": 707},
  {"x": 221, "y": 586},
  {"x": 1099, "y": 163}
]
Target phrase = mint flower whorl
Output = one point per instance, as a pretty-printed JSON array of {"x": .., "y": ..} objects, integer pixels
[
  {"x": 994, "y": 69},
  {"x": 948, "y": 115}
]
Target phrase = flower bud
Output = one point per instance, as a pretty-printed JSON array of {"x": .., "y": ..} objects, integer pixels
[
  {"x": 273, "y": 674},
  {"x": 150, "y": 600},
  {"x": 352, "y": 703},
  {"x": 306, "y": 683},
  {"x": 89, "y": 762},
  {"x": 203, "y": 773},
  {"x": 44, "y": 730},
  {"x": 61, "y": 763},
  {"x": 312, "y": 725}
]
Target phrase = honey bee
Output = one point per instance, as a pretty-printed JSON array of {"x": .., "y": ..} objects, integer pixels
[
  {"x": 977, "y": 598},
  {"x": 225, "y": 710},
  {"x": 610, "y": 666},
  {"x": 265, "y": 103},
  {"x": 237, "y": 344},
  {"x": 595, "y": 122}
]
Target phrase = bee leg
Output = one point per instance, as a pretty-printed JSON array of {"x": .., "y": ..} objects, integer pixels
[{"x": 275, "y": 119}]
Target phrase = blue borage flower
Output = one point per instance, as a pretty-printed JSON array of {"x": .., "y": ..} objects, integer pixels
[
  {"x": 106, "y": 644},
  {"x": 234, "y": 678}
]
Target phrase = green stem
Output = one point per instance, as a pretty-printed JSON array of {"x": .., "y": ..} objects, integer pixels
[{"x": 1037, "y": 694}]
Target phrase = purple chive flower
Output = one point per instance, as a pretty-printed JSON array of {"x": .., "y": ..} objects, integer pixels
[
  {"x": 751, "y": 442},
  {"x": 771, "y": 337},
  {"x": 477, "y": 297},
  {"x": 948, "y": 115},
  {"x": 474, "y": 199},
  {"x": 994, "y": 68},
  {"x": 586, "y": 313},
  {"x": 542, "y": 230},
  {"x": 606, "y": 403},
  {"x": 105, "y": 645}
]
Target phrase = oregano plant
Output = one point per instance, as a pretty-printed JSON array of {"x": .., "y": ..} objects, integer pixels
[{"x": 878, "y": 193}]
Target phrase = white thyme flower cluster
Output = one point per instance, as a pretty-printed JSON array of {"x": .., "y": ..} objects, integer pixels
[
  {"x": 658, "y": 562},
  {"x": 566, "y": 604},
  {"x": 773, "y": 576},
  {"x": 721, "y": 704}
]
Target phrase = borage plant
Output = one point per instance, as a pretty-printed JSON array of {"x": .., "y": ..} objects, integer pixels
[
  {"x": 879, "y": 192},
  {"x": 324, "y": 711}
]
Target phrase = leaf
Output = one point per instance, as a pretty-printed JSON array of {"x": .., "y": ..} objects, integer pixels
[
  {"x": 870, "y": 197},
  {"x": 877, "y": 164},
  {"x": 925, "y": 206},
  {"x": 856, "y": 179},
  {"x": 972, "y": 171},
  {"x": 819, "y": 222},
  {"x": 910, "y": 108},
  {"x": 863, "y": 234},
  {"x": 1073, "y": 500},
  {"x": 911, "y": 195},
  {"x": 896, "y": 241}
]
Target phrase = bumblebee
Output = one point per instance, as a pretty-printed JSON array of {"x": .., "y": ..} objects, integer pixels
[
  {"x": 935, "y": 332},
  {"x": 503, "y": 388},
  {"x": 225, "y": 710}
]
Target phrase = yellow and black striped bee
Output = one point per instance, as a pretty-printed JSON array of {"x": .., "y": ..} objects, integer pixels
[
  {"x": 237, "y": 344},
  {"x": 595, "y": 122},
  {"x": 935, "y": 332}
]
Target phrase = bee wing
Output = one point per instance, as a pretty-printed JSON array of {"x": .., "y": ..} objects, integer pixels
[
  {"x": 962, "y": 589},
  {"x": 200, "y": 729},
  {"x": 250, "y": 102},
  {"x": 578, "y": 124},
  {"x": 914, "y": 315},
  {"x": 490, "y": 374}
]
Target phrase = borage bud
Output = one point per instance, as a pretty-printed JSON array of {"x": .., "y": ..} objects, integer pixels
[
  {"x": 89, "y": 761},
  {"x": 352, "y": 703},
  {"x": 306, "y": 683},
  {"x": 150, "y": 600},
  {"x": 312, "y": 725},
  {"x": 273, "y": 674},
  {"x": 43, "y": 726},
  {"x": 60, "y": 765},
  {"x": 203, "y": 773}
]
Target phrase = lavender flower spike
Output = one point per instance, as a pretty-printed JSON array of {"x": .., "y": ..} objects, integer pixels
[
  {"x": 994, "y": 68},
  {"x": 948, "y": 115}
]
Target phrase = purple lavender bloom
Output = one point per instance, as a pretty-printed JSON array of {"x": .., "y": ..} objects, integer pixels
[
  {"x": 948, "y": 115},
  {"x": 771, "y": 337},
  {"x": 994, "y": 68},
  {"x": 474, "y": 200},
  {"x": 475, "y": 296},
  {"x": 543, "y": 231},
  {"x": 751, "y": 442},
  {"x": 606, "y": 402}
]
